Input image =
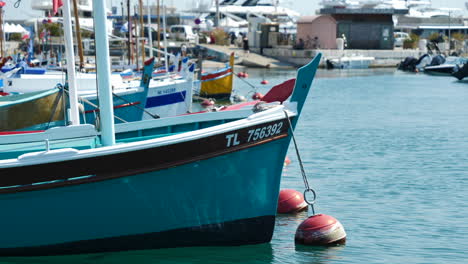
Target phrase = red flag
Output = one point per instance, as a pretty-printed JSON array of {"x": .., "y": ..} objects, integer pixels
[
  {"x": 25, "y": 36},
  {"x": 56, "y": 4},
  {"x": 2, "y": 4}
]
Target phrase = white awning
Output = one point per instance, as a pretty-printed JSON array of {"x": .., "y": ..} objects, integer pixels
[{"x": 13, "y": 28}]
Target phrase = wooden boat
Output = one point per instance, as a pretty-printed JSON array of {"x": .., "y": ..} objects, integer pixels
[
  {"x": 147, "y": 189},
  {"x": 26, "y": 110},
  {"x": 218, "y": 84},
  {"x": 41, "y": 110}
]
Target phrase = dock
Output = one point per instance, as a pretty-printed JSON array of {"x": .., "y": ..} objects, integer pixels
[{"x": 248, "y": 59}]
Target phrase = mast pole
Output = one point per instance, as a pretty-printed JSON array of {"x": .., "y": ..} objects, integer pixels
[
  {"x": 78, "y": 34},
  {"x": 103, "y": 78},
  {"x": 67, "y": 25},
  {"x": 1, "y": 33},
  {"x": 142, "y": 32},
  {"x": 150, "y": 35},
  {"x": 159, "y": 31},
  {"x": 129, "y": 24}
]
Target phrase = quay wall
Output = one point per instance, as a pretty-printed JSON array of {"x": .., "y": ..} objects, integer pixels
[{"x": 383, "y": 58}]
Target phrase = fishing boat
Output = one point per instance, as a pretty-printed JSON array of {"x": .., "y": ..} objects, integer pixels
[
  {"x": 168, "y": 94},
  {"x": 148, "y": 188},
  {"x": 27, "y": 110},
  {"x": 218, "y": 84},
  {"x": 44, "y": 109}
]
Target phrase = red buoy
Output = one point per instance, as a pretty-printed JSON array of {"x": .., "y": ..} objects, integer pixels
[
  {"x": 257, "y": 96},
  {"x": 264, "y": 82},
  {"x": 207, "y": 102},
  {"x": 287, "y": 161},
  {"x": 240, "y": 75},
  {"x": 291, "y": 201},
  {"x": 320, "y": 230},
  {"x": 246, "y": 75}
]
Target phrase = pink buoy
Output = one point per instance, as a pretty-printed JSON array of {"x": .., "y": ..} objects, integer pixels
[
  {"x": 320, "y": 230},
  {"x": 246, "y": 75},
  {"x": 240, "y": 75},
  {"x": 287, "y": 161},
  {"x": 291, "y": 201},
  {"x": 207, "y": 102},
  {"x": 257, "y": 96},
  {"x": 264, "y": 82}
]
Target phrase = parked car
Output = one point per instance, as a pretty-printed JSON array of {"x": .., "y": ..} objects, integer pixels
[
  {"x": 154, "y": 34},
  {"x": 182, "y": 33},
  {"x": 400, "y": 38}
]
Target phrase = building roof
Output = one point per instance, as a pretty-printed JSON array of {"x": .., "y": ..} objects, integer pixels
[
  {"x": 311, "y": 19},
  {"x": 367, "y": 11}
]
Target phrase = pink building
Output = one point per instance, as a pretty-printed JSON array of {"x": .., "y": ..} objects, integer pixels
[{"x": 316, "y": 32}]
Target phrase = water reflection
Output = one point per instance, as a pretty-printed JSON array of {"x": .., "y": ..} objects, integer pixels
[
  {"x": 318, "y": 254},
  {"x": 243, "y": 254}
]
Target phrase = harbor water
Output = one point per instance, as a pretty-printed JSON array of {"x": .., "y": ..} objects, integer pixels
[{"x": 387, "y": 154}]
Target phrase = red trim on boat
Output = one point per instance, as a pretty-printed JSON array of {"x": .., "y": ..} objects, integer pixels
[
  {"x": 215, "y": 75},
  {"x": 20, "y": 132}
]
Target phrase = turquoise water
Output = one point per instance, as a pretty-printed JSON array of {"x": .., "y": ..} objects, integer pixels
[{"x": 387, "y": 154}]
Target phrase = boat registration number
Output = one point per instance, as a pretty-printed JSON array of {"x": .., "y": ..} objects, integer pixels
[{"x": 256, "y": 134}]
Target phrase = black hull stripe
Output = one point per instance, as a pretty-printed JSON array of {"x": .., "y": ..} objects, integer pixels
[
  {"x": 113, "y": 166},
  {"x": 233, "y": 233}
]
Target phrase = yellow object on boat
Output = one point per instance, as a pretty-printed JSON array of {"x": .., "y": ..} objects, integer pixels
[{"x": 218, "y": 84}]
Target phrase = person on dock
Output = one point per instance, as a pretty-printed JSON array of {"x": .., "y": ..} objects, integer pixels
[{"x": 245, "y": 42}]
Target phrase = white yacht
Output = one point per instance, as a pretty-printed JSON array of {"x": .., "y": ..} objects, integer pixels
[
  {"x": 234, "y": 13},
  {"x": 85, "y": 12}
]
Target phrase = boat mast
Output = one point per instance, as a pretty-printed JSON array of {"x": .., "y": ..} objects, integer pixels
[
  {"x": 159, "y": 33},
  {"x": 150, "y": 37},
  {"x": 78, "y": 34},
  {"x": 165, "y": 40},
  {"x": 216, "y": 22},
  {"x": 67, "y": 25},
  {"x": 103, "y": 77},
  {"x": 129, "y": 24},
  {"x": 142, "y": 32},
  {"x": 1, "y": 33}
]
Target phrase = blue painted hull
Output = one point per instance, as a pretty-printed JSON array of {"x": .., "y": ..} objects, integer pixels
[{"x": 74, "y": 219}]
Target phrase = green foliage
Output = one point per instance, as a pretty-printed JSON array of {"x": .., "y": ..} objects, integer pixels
[
  {"x": 221, "y": 37},
  {"x": 54, "y": 28},
  {"x": 458, "y": 36},
  {"x": 411, "y": 42},
  {"x": 436, "y": 37},
  {"x": 15, "y": 37}
]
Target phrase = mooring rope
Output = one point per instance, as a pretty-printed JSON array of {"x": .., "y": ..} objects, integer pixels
[{"x": 304, "y": 176}]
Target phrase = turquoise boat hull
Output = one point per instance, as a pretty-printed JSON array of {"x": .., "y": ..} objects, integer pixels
[{"x": 165, "y": 208}]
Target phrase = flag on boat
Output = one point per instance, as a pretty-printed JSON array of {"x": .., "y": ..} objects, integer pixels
[
  {"x": 2, "y": 4},
  {"x": 56, "y": 4}
]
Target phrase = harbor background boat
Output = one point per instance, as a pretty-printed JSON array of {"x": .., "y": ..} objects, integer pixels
[{"x": 387, "y": 155}]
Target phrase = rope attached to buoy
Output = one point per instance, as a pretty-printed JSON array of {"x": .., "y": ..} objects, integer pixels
[
  {"x": 253, "y": 87},
  {"x": 310, "y": 202}
]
